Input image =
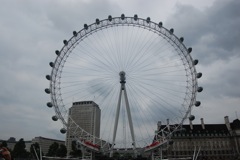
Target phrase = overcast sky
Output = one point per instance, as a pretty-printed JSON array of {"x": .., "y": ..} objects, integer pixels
[{"x": 30, "y": 32}]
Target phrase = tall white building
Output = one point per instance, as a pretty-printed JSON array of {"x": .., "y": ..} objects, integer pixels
[{"x": 87, "y": 115}]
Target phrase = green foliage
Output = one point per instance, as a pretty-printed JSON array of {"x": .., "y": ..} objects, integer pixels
[
  {"x": 52, "y": 151},
  {"x": 56, "y": 150},
  {"x": 4, "y": 144},
  {"x": 62, "y": 151},
  {"x": 116, "y": 155},
  {"x": 19, "y": 150}
]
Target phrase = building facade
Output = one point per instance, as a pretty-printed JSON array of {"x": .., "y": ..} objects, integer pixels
[
  {"x": 206, "y": 141},
  {"x": 87, "y": 115},
  {"x": 45, "y": 143}
]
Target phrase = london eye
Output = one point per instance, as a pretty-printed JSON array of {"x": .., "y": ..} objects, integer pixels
[{"x": 138, "y": 72}]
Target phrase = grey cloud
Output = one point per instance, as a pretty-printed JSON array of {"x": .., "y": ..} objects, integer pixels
[
  {"x": 32, "y": 31},
  {"x": 222, "y": 79},
  {"x": 213, "y": 33}
]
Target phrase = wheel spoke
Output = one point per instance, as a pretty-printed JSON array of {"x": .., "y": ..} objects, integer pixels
[{"x": 160, "y": 81}]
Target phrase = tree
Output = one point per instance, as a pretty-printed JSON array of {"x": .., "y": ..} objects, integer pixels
[
  {"x": 56, "y": 150},
  {"x": 116, "y": 155},
  {"x": 52, "y": 151},
  {"x": 62, "y": 151},
  {"x": 4, "y": 144},
  {"x": 19, "y": 150}
]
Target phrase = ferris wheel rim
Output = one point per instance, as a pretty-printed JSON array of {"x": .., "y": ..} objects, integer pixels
[{"x": 70, "y": 44}]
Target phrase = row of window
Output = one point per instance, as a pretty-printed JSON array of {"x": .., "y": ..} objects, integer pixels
[
  {"x": 199, "y": 134},
  {"x": 202, "y": 152},
  {"x": 204, "y": 144},
  {"x": 83, "y": 102}
]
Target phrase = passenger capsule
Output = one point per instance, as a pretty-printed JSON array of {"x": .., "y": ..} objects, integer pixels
[
  {"x": 189, "y": 50},
  {"x": 51, "y": 64},
  {"x": 47, "y": 90},
  {"x": 191, "y": 117},
  {"x": 97, "y": 21},
  {"x": 85, "y": 26},
  {"x": 148, "y": 19},
  {"x": 199, "y": 75},
  {"x": 54, "y": 118},
  {"x": 57, "y": 52},
  {"x": 110, "y": 18},
  {"x": 200, "y": 89},
  {"x": 65, "y": 42},
  {"x": 181, "y": 39},
  {"x": 160, "y": 24},
  {"x": 195, "y": 62},
  {"x": 48, "y": 77},
  {"x": 171, "y": 31},
  {"x": 197, "y": 103},
  {"x": 75, "y": 34},
  {"x": 135, "y": 17},
  {"x": 49, "y": 104},
  {"x": 122, "y": 16},
  {"x": 63, "y": 130}
]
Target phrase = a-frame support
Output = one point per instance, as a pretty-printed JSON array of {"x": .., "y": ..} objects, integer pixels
[{"x": 123, "y": 91}]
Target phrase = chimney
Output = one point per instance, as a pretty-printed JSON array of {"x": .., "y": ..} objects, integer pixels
[
  {"x": 202, "y": 123},
  {"x": 227, "y": 123},
  {"x": 159, "y": 125},
  {"x": 191, "y": 125},
  {"x": 168, "y": 126}
]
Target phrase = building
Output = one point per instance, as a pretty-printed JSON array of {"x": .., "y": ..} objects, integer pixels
[
  {"x": 208, "y": 141},
  {"x": 87, "y": 115},
  {"x": 45, "y": 143}
]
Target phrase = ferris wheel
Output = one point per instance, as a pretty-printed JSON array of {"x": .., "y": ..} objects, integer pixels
[{"x": 139, "y": 73}]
